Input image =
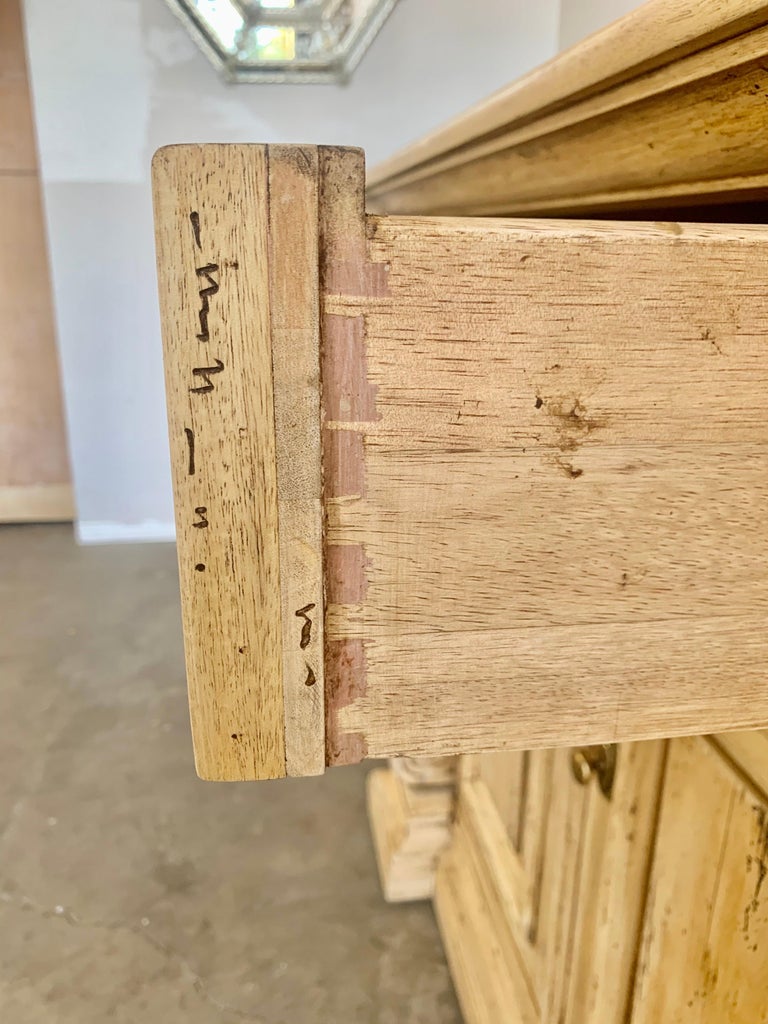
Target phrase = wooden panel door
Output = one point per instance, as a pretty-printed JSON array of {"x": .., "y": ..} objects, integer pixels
[
  {"x": 497, "y": 929},
  {"x": 703, "y": 956},
  {"x": 34, "y": 469},
  {"x": 541, "y": 894},
  {"x": 617, "y": 851}
]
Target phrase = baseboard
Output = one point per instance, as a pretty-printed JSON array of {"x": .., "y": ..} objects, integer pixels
[
  {"x": 107, "y": 531},
  {"x": 36, "y": 503}
]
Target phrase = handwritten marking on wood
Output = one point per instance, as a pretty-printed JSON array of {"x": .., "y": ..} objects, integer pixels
[
  {"x": 306, "y": 639},
  {"x": 206, "y": 372},
  {"x": 195, "y": 219},
  {"x": 226, "y": 512},
  {"x": 306, "y": 629},
  {"x": 190, "y": 435},
  {"x": 210, "y": 288}
]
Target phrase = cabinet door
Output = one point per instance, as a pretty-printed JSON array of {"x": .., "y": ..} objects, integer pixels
[
  {"x": 540, "y": 896},
  {"x": 617, "y": 843},
  {"x": 466, "y": 485},
  {"x": 503, "y": 886},
  {"x": 703, "y": 956}
]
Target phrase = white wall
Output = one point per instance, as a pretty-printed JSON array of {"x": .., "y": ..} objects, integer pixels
[
  {"x": 580, "y": 18},
  {"x": 115, "y": 79}
]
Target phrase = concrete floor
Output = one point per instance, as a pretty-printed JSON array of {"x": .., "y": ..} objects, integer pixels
[{"x": 131, "y": 891}]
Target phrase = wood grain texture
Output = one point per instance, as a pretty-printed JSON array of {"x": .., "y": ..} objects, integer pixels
[
  {"x": 294, "y": 318},
  {"x": 544, "y": 469},
  {"x": 651, "y": 904},
  {"x": 508, "y": 883},
  {"x": 212, "y": 223},
  {"x": 348, "y": 405},
  {"x": 557, "y": 486},
  {"x": 528, "y": 906},
  {"x": 618, "y": 842},
  {"x": 749, "y": 752},
  {"x": 562, "y": 862},
  {"x": 703, "y": 948},
  {"x": 491, "y": 983},
  {"x": 505, "y": 775},
  {"x": 662, "y": 108}
]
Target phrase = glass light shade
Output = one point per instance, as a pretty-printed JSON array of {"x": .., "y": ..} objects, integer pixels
[{"x": 284, "y": 40}]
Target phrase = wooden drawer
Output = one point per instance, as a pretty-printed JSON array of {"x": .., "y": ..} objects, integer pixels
[{"x": 451, "y": 485}]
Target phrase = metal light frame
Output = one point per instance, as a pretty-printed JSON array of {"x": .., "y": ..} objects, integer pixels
[{"x": 333, "y": 67}]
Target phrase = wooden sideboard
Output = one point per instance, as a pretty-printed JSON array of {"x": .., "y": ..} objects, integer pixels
[
  {"x": 620, "y": 884},
  {"x": 488, "y": 493}
]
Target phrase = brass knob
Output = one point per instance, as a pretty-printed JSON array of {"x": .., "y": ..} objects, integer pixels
[{"x": 598, "y": 761}]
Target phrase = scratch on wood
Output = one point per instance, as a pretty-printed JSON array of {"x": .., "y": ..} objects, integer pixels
[
  {"x": 568, "y": 468},
  {"x": 573, "y": 422},
  {"x": 758, "y": 860}
]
